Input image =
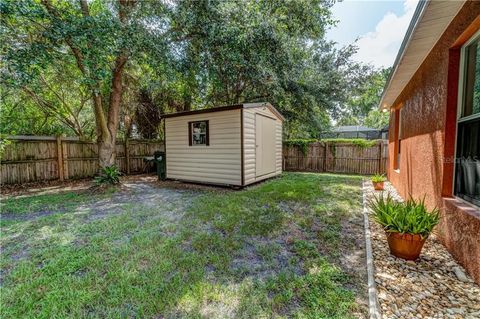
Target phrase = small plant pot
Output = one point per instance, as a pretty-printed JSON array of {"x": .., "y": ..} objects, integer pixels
[
  {"x": 406, "y": 246},
  {"x": 378, "y": 186}
]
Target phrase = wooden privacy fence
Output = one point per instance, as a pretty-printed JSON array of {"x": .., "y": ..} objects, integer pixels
[
  {"x": 41, "y": 158},
  {"x": 337, "y": 158}
]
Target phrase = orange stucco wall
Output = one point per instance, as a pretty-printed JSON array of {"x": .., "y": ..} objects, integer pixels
[{"x": 427, "y": 130}]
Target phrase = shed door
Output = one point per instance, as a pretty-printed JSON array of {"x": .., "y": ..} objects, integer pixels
[{"x": 265, "y": 145}]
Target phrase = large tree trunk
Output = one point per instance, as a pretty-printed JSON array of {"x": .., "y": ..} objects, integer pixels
[
  {"x": 106, "y": 152},
  {"x": 105, "y": 140},
  {"x": 107, "y": 126},
  {"x": 107, "y": 133}
]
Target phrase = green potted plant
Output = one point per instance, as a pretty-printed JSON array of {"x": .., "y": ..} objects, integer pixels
[
  {"x": 407, "y": 225},
  {"x": 378, "y": 180}
]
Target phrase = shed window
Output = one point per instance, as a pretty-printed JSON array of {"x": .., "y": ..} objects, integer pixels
[
  {"x": 467, "y": 167},
  {"x": 198, "y": 133}
]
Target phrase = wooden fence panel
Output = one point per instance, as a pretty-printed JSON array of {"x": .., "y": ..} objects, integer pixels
[
  {"x": 30, "y": 161},
  {"x": 37, "y": 158},
  {"x": 40, "y": 158},
  {"x": 120, "y": 159},
  {"x": 337, "y": 158},
  {"x": 80, "y": 159},
  {"x": 137, "y": 149}
]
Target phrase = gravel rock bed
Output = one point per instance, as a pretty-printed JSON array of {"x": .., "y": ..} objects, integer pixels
[{"x": 434, "y": 286}]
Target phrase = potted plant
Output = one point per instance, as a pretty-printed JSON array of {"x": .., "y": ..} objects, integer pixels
[
  {"x": 407, "y": 225},
  {"x": 378, "y": 180}
]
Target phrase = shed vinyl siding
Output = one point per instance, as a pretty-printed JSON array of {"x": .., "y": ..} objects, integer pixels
[
  {"x": 249, "y": 144},
  {"x": 219, "y": 162}
]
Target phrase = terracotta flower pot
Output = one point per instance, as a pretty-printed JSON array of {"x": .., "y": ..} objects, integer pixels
[
  {"x": 406, "y": 246},
  {"x": 378, "y": 186}
]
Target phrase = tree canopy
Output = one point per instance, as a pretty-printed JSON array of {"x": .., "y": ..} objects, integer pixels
[
  {"x": 108, "y": 69},
  {"x": 361, "y": 107}
]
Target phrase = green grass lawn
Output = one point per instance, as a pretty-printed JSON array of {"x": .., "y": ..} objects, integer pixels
[{"x": 282, "y": 248}]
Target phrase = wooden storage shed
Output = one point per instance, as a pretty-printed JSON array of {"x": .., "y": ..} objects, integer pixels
[{"x": 233, "y": 145}]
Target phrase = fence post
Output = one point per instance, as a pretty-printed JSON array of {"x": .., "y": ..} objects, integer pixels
[
  {"x": 380, "y": 157},
  {"x": 325, "y": 145},
  {"x": 61, "y": 174},
  {"x": 127, "y": 156}
]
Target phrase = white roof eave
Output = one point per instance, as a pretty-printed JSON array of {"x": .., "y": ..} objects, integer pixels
[{"x": 420, "y": 38}]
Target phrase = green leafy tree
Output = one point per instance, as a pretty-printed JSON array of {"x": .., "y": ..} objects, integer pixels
[
  {"x": 377, "y": 119},
  {"x": 54, "y": 102},
  {"x": 361, "y": 106},
  {"x": 98, "y": 37},
  {"x": 348, "y": 121},
  {"x": 19, "y": 116}
]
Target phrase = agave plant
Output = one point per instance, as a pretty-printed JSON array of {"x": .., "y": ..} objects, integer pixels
[
  {"x": 109, "y": 175},
  {"x": 410, "y": 217},
  {"x": 378, "y": 178}
]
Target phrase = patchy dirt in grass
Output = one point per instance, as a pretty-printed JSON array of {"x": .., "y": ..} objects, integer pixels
[
  {"x": 25, "y": 217},
  {"x": 44, "y": 187},
  {"x": 353, "y": 257},
  {"x": 262, "y": 257},
  {"x": 56, "y": 186},
  {"x": 134, "y": 190},
  {"x": 142, "y": 195},
  {"x": 353, "y": 251},
  {"x": 348, "y": 248}
]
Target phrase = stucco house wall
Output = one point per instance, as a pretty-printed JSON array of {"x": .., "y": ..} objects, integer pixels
[{"x": 426, "y": 127}]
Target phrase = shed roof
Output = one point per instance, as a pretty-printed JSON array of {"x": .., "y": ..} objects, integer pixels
[
  {"x": 227, "y": 108},
  {"x": 429, "y": 22}
]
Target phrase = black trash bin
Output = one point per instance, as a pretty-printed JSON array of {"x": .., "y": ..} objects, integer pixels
[{"x": 159, "y": 158}]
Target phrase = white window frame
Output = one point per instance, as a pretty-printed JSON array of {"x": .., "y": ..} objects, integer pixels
[
  {"x": 461, "y": 82},
  {"x": 192, "y": 133},
  {"x": 460, "y": 102}
]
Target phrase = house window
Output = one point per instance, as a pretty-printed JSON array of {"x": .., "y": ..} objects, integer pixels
[
  {"x": 467, "y": 167},
  {"x": 398, "y": 154},
  {"x": 398, "y": 138},
  {"x": 198, "y": 133}
]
